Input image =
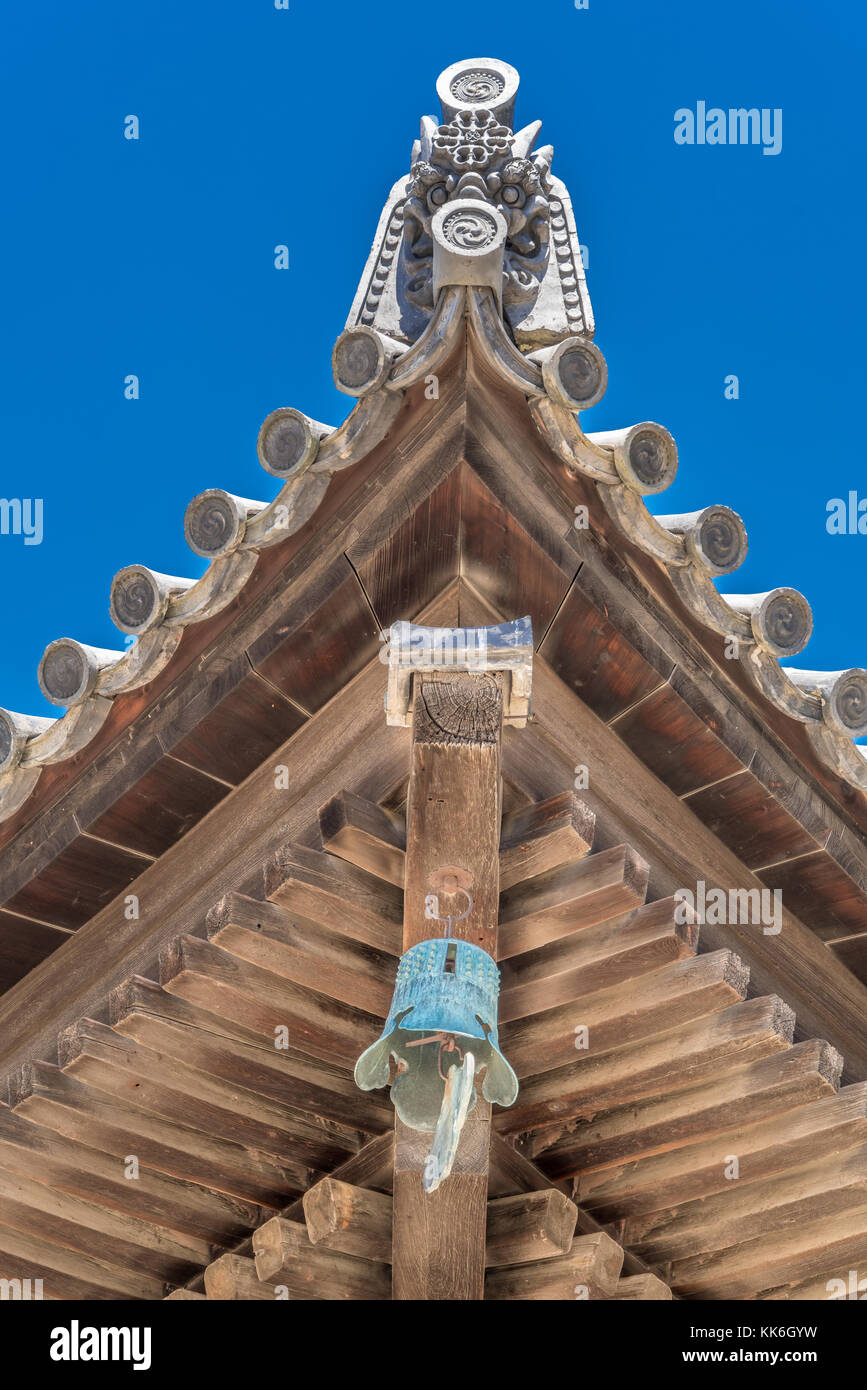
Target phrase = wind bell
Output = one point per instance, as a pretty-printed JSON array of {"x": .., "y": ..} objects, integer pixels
[{"x": 441, "y": 1031}]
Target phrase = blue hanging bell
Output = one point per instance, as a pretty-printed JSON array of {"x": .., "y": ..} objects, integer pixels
[{"x": 444, "y": 1005}]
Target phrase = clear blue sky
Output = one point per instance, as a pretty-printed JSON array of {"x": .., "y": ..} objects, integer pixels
[{"x": 261, "y": 126}]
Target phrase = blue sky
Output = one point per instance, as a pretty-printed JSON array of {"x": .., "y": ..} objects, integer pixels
[{"x": 261, "y": 126}]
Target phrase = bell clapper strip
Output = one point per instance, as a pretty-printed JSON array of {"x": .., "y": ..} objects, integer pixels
[{"x": 459, "y": 1091}]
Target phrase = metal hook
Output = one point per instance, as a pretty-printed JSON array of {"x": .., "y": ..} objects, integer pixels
[{"x": 432, "y": 910}]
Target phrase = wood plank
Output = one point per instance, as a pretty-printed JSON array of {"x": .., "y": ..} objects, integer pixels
[
  {"x": 285, "y": 1255},
  {"x": 670, "y": 738},
  {"x": 592, "y": 657},
  {"x": 229, "y": 1052},
  {"x": 72, "y": 1273},
  {"x": 744, "y": 1095},
  {"x": 355, "y": 1220},
  {"x": 167, "y": 801},
  {"x": 852, "y": 952},
  {"x": 322, "y": 649},
  {"x": 570, "y": 898},
  {"x": 63, "y": 1104},
  {"x": 502, "y": 558},
  {"x": 766, "y": 1207},
  {"x": 544, "y": 835},
  {"x": 756, "y": 1266},
  {"x": 78, "y": 883},
  {"x": 751, "y": 821},
  {"x": 590, "y": 1271},
  {"x": 528, "y": 1227},
  {"x": 234, "y": 1278},
  {"x": 664, "y": 1063},
  {"x": 337, "y": 895},
  {"x": 821, "y": 893},
  {"x": 371, "y": 1167},
  {"x": 185, "y": 1296},
  {"x": 402, "y": 567},
  {"x": 594, "y": 958},
  {"x": 695, "y": 1172},
  {"x": 365, "y": 834},
  {"x": 267, "y": 936},
  {"x": 223, "y": 984},
  {"x": 84, "y": 1172},
  {"x": 115, "y": 1064},
  {"x": 614, "y": 1017},
  {"x": 829, "y": 1002},
  {"x": 847, "y": 1282},
  {"x": 24, "y": 944},
  {"x": 39, "y": 1209},
  {"x": 235, "y": 737}
]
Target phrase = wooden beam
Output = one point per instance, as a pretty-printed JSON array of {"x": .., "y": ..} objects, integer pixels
[
  {"x": 72, "y": 1273},
  {"x": 356, "y": 1220},
  {"x": 543, "y": 836},
  {"x": 623, "y": 948},
  {"x": 221, "y": 983},
  {"x": 570, "y": 898},
  {"x": 748, "y": 1210},
  {"x": 743, "y": 1096},
  {"x": 688, "y": 989},
  {"x": 758, "y": 1265},
  {"x": 60, "y": 1103},
  {"x": 372, "y": 1167},
  {"x": 87, "y": 1173},
  {"x": 642, "y": 1288},
  {"x": 336, "y": 895},
  {"x": 329, "y": 963},
  {"x": 530, "y": 1226},
  {"x": 233, "y": 1277},
  {"x": 454, "y": 814},
  {"x": 590, "y": 1271},
  {"x": 681, "y": 1179},
  {"x": 52, "y": 1214},
  {"x": 217, "y": 1052},
  {"x": 365, "y": 834},
  {"x": 285, "y": 1255},
  {"x": 654, "y": 1066},
  {"x": 113, "y": 1063}
]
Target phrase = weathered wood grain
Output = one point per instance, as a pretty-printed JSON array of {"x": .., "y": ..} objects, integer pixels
[
  {"x": 355, "y": 1220},
  {"x": 530, "y": 1226},
  {"x": 736, "y": 1098},
  {"x": 336, "y": 895},
  {"x": 543, "y": 836},
  {"x": 614, "y": 1017},
  {"x": 570, "y": 898},
  {"x": 623, "y": 948},
  {"x": 285, "y": 1255},
  {"x": 590, "y": 1271},
  {"x": 267, "y": 936},
  {"x": 663, "y": 1063},
  {"x": 365, "y": 834},
  {"x": 696, "y": 1173}
]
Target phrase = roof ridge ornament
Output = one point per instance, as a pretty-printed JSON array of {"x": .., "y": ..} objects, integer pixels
[{"x": 477, "y": 208}]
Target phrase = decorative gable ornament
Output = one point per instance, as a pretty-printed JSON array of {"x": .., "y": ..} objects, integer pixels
[{"x": 479, "y": 207}]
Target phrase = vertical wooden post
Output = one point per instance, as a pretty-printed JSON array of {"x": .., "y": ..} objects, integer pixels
[{"x": 453, "y": 820}]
